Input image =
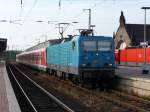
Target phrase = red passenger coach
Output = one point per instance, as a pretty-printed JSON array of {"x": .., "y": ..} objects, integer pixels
[
  {"x": 34, "y": 58},
  {"x": 132, "y": 56}
]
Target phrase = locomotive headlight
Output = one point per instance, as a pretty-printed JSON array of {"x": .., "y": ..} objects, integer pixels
[
  {"x": 110, "y": 64},
  {"x": 83, "y": 64},
  {"x": 97, "y": 54}
]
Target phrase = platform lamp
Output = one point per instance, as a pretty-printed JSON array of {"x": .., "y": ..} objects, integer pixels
[{"x": 146, "y": 68}]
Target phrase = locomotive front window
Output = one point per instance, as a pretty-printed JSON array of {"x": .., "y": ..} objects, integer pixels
[
  {"x": 104, "y": 46},
  {"x": 89, "y": 45}
]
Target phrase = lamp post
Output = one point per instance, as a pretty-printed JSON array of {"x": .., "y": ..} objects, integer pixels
[
  {"x": 89, "y": 10},
  {"x": 145, "y": 68}
]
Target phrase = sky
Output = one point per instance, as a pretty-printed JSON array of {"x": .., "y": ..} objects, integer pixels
[{"x": 23, "y": 31}]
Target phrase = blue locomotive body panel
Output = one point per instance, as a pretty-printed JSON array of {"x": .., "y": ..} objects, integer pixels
[
  {"x": 98, "y": 55},
  {"x": 64, "y": 57},
  {"x": 82, "y": 53}
]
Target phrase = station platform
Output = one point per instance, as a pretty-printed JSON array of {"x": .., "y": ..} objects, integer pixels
[
  {"x": 132, "y": 80},
  {"x": 8, "y": 101}
]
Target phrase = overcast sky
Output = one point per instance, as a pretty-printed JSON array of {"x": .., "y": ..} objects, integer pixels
[{"x": 27, "y": 32}]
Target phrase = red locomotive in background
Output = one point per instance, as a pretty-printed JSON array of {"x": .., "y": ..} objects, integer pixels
[{"x": 132, "y": 56}]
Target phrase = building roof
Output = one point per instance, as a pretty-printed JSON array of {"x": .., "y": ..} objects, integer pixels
[
  {"x": 3, "y": 44},
  {"x": 136, "y": 33}
]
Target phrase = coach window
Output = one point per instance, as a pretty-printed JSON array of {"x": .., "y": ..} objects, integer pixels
[{"x": 73, "y": 45}]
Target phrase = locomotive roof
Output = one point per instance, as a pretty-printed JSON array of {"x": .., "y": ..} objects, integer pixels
[
  {"x": 47, "y": 43},
  {"x": 3, "y": 44}
]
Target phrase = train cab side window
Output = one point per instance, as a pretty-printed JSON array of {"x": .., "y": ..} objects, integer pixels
[{"x": 73, "y": 45}]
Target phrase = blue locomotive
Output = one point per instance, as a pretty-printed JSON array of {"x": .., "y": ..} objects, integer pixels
[{"x": 85, "y": 58}]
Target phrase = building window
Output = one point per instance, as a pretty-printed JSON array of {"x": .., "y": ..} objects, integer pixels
[{"x": 121, "y": 37}]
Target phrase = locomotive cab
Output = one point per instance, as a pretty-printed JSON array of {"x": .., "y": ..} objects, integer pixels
[
  {"x": 97, "y": 58},
  {"x": 97, "y": 52}
]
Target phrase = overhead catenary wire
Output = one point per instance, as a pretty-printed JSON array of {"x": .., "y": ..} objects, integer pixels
[
  {"x": 99, "y": 3},
  {"x": 79, "y": 14},
  {"x": 32, "y": 7},
  {"x": 30, "y": 10}
]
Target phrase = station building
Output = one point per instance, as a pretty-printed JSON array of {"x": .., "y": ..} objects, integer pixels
[{"x": 130, "y": 34}]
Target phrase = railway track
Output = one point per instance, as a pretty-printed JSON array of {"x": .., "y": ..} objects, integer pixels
[
  {"x": 128, "y": 102},
  {"x": 34, "y": 98},
  {"x": 131, "y": 99}
]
